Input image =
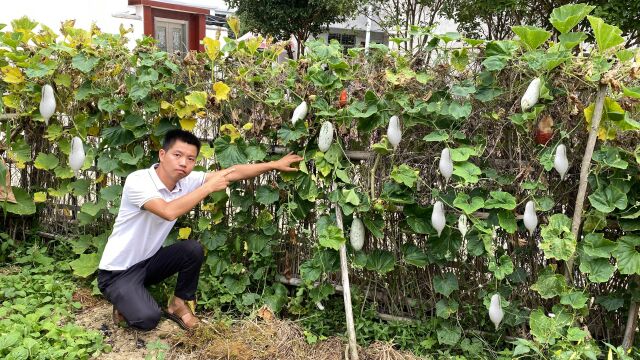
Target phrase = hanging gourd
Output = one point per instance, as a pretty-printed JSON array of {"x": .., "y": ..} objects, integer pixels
[
  {"x": 530, "y": 217},
  {"x": 495, "y": 310},
  {"x": 463, "y": 225},
  {"x": 544, "y": 130},
  {"x": 560, "y": 162},
  {"x": 47, "y": 103},
  {"x": 326, "y": 136},
  {"x": 394, "y": 133},
  {"x": 356, "y": 237},
  {"x": 76, "y": 156},
  {"x": 438, "y": 220},
  {"x": 532, "y": 94},
  {"x": 299, "y": 113},
  {"x": 446, "y": 165}
]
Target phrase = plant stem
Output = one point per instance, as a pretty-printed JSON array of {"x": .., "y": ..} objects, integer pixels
[{"x": 584, "y": 170}]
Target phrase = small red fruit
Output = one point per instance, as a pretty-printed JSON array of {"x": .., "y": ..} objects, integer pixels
[
  {"x": 544, "y": 131},
  {"x": 343, "y": 98}
]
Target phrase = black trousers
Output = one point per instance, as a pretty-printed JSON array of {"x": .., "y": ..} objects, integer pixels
[{"x": 126, "y": 289}]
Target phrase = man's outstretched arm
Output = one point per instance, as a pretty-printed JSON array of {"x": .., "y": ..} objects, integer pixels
[{"x": 248, "y": 171}]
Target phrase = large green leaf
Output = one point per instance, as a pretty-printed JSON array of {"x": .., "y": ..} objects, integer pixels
[
  {"x": 607, "y": 36},
  {"x": 445, "y": 284},
  {"x": 565, "y": 18},
  {"x": 500, "y": 200},
  {"x": 531, "y": 36},
  {"x": 46, "y": 161},
  {"x": 467, "y": 204},
  {"x": 596, "y": 245},
  {"x": 449, "y": 334},
  {"x": 85, "y": 265},
  {"x": 414, "y": 256},
  {"x": 502, "y": 268},
  {"x": 549, "y": 284},
  {"x": 405, "y": 174},
  {"x": 331, "y": 237},
  {"x": 599, "y": 270},
  {"x": 446, "y": 307},
  {"x": 468, "y": 171},
  {"x": 84, "y": 63},
  {"x": 608, "y": 199},
  {"x": 627, "y": 254},
  {"x": 267, "y": 195},
  {"x": 380, "y": 261},
  {"x": 24, "y": 204},
  {"x": 228, "y": 153},
  {"x": 558, "y": 242},
  {"x": 544, "y": 328}
]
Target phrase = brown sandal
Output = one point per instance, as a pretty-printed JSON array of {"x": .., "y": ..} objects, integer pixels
[{"x": 177, "y": 317}]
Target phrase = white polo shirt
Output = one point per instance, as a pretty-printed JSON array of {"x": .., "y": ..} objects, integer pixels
[{"x": 137, "y": 233}]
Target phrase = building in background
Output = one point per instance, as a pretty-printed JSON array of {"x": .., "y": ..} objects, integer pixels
[{"x": 178, "y": 25}]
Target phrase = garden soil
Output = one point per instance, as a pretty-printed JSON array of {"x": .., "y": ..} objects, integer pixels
[{"x": 262, "y": 336}]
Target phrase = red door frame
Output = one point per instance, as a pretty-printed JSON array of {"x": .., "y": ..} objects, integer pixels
[{"x": 194, "y": 15}]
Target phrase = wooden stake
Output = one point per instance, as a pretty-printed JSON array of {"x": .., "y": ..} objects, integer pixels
[
  {"x": 584, "y": 170},
  {"x": 344, "y": 268}
]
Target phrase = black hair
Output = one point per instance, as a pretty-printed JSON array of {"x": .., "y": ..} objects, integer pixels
[{"x": 178, "y": 134}]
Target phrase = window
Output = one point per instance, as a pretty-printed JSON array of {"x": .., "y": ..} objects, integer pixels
[
  {"x": 171, "y": 35},
  {"x": 346, "y": 40}
]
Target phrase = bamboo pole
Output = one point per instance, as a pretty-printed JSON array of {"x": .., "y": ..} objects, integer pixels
[
  {"x": 344, "y": 269},
  {"x": 584, "y": 170},
  {"x": 632, "y": 323}
]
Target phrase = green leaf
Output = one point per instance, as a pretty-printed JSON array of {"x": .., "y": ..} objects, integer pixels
[
  {"x": 449, "y": 334},
  {"x": 288, "y": 134},
  {"x": 531, "y": 36},
  {"x": 507, "y": 221},
  {"x": 543, "y": 328},
  {"x": 446, "y": 307},
  {"x": 445, "y": 284},
  {"x": 627, "y": 254},
  {"x": 227, "y": 153},
  {"x": 236, "y": 285},
  {"x": 266, "y": 195},
  {"x": 331, "y": 237},
  {"x": 608, "y": 199},
  {"x": 570, "y": 40},
  {"x": 405, "y": 174},
  {"x": 92, "y": 209},
  {"x": 85, "y": 265},
  {"x": 467, "y": 204},
  {"x": 575, "y": 299},
  {"x": 557, "y": 240},
  {"x": 438, "y": 135},
  {"x": 596, "y": 245},
  {"x": 84, "y": 62},
  {"x": 565, "y": 18},
  {"x": 500, "y": 200},
  {"x": 549, "y": 284},
  {"x": 607, "y": 36},
  {"x": 501, "y": 269},
  {"x": 462, "y": 153},
  {"x": 414, "y": 256},
  {"x": 381, "y": 261},
  {"x": 24, "y": 203},
  {"x": 46, "y": 161},
  {"x": 468, "y": 171}
]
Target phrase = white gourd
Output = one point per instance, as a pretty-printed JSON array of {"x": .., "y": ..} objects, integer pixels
[
  {"x": 77, "y": 155},
  {"x": 299, "y": 113},
  {"x": 47, "y": 103},
  {"x": 394, "y": 133},
  {"x": 495, "y": 310},
  {"x": 446, "y": 165},
  {"x": 463, "y": 225},
  {"x": 356, "y": 237},
  {"x": 532, "y": 94},
  {"x": 326, "y": 136},
  {"x": 530, "y": 217},
  {"x": 560, "y": 162},
  {"x": 438, "y": 220}
]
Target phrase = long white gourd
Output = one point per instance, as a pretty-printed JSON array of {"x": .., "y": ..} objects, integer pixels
[
  {"x": 495, "y": 310},
  {"x": 326, "y": 136},
  {"x": 47, "y": 103},
  {"x": 530, "y": 97},
  {"x": 394, "y": 133},
  {"x": 446, "y": 165},
  {"x": 299, "y": 113},
  {"x": 77, "y": 155},
  {"x": 438, "y": 220},
  {"x": 463, "y": 225},
  {"x": 356, "y": 237},
  {"x": 560, "y": 162},
  {"x": 530, "y": 217}
]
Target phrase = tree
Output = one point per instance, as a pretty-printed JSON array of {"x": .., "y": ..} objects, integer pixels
[{"x": 300, "y": 18}]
